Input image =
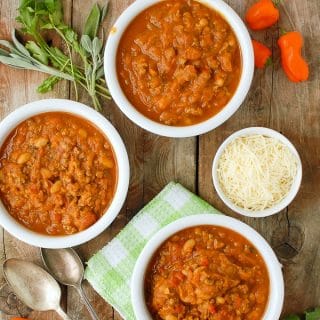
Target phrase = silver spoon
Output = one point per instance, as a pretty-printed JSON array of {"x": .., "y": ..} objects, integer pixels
[
  {"x": 34, "y": 286},
  {"x": 66, "y": 266}
]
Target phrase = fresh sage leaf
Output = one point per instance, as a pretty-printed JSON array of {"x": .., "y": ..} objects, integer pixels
[
  {"x": 104, "y": 11},
  {"x": 96, "y": 47},
  {"x": 4, "y": 53},
  {"x": 17, "y": 56},
  {"x": 86, "y": 43},
  {"x": 18, "y": 45},
  {"x": 8, "y": 45},
  {"x": 100, "y": 73},
  {"x": 88, "y": 71},
  {"x": 17, "y": 63},
  {"x": 92, "y": 23}
]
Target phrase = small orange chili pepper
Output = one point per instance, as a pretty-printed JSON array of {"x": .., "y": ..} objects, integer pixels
[
  {"x": 262, "y": 14},
  {"x": 19, "y": 318},
  {"x": 293, "y": 64},
  {"x": 262, "y": 54}
]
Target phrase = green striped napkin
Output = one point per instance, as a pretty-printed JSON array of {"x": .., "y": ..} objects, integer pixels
[{"x": 110, "y": 270}]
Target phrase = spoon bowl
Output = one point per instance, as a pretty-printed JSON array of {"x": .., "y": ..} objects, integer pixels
[
  {"x": 64, "y": 264},
  {"x": 33, "y": 286},
  {"x": 66, "y": 267}
]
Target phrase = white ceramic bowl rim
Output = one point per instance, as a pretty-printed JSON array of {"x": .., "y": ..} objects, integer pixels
[
  {"x": 170, "y": 131},
  {"x": 294, "y": 188},
  {"x": 62, "y": 105},
  {"x": 276, "y": 295}
]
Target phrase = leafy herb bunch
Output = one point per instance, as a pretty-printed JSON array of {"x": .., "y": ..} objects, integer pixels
[{"x": 38, "y": 16}]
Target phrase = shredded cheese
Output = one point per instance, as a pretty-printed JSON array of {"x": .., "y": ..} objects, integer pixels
[{"x": 256, "y": 172}]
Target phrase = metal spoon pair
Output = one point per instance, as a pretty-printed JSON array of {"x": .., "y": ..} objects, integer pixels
[{"x": 38, "y": 289}]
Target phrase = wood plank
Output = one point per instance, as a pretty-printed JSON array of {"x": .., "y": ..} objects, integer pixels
[
  {"x": 133, "y": 139},
  {"x": 154, "y": 162},
  {"x": 291, "y": 109},
  {"x": 295, "y": 113},
  {"x": 24, "y": 83}
]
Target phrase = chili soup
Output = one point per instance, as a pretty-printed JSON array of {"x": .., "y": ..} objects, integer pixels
[
  {"x": 207, "y": 272},
  {"x": 179, "y": 62},
  {"x": 58, "y": 173}
]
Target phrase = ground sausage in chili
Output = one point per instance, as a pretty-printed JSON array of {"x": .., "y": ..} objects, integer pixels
[
  {"x": 179, "y": 62},
  {"x": 58, "y": 173},
  {"x": 207, "y": 273}
]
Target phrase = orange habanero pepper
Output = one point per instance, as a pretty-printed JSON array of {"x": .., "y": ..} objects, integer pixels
[
  {"x": 262, "y": 14},
  {"x": 262, "y": 54},
  {"x": 293, "y": 64},
  {"x": 19, "y": 318}
]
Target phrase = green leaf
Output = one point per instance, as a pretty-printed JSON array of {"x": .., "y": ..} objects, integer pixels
[
  {"x": 291, "y": 317},
  {"x": 100, "y": 73},
  {"x": 47, "y": 26},
  {"x": 54, "y": 7},
  {"x": 63, "y": 27},
  {"x": 313, "y": 315},
  {"x": 20, "y": 47},
  {"x": 92, "y": 23},
  {"x": 28, "y": 17},
  {"x": 96, "y": 47},
  {"x": 48, "y": 84},
  {"x": 57, "y": 52},
  {"x": 71, "y": 36},
  {"x": 4, "y": 53},
  {"x": 42, "y": 12},
  {"x": 104, "y": 11},
  {"x": 17, "y": 63},
  {"x": 86, "y": 43},
  {"x": 37, "y": 52},
  {"x": 31, "y": 10},
  {"x": 88, "y": 71},
  {"x": 8, "y": 45}
]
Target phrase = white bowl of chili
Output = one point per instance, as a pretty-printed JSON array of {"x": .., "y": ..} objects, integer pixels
[
  {"x": 235, "y": 243},
  {"x": 196, "y": 99},
  {"x": 88, "y": 148}
]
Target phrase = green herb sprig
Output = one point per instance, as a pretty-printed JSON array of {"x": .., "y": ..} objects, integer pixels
[
  {"x": 308, "y": 315},
  {"x": 38, "y": 16}
]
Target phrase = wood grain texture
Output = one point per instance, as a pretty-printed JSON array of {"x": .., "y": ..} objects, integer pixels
[
  {"x": 291, "y": 109},
  {"x": 272, "y": 102},
  {"x": 18, "y": 88}
]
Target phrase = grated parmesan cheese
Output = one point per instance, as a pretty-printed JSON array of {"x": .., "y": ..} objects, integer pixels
[{"x": 256, "y": 172}]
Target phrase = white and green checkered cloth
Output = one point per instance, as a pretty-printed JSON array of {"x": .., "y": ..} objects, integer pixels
[{"x": 110, "y": 270}]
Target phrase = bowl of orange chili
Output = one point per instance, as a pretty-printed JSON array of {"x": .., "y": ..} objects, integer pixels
[
  {"x": 207, "y": 266},
  {"x": 179, "y": 68},
  {"x": 64, "y": 173}
]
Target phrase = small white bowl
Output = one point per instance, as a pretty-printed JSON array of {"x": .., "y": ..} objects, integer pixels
[
  {"x": 276, "y": 292},
  {"x": 133, "y": 114},
  {"x": 60, "y": 105},
  {"x": 295, "y": 185}
]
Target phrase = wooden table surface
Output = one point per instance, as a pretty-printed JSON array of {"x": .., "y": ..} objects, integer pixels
[{"x": 292, "y": 109}]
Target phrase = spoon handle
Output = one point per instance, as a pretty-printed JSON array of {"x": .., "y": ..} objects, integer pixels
[
  {"x": 62, "y": 314},
  {"x": 87, "y": 303}
]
